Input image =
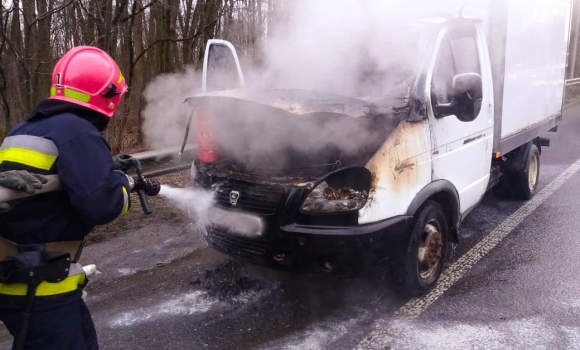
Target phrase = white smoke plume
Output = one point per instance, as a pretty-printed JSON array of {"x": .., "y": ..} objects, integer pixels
[
  {"x": 165, "y": 115},
  {"x": 353, "y": 48}
]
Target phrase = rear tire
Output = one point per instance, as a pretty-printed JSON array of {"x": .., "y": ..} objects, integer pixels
[
  {"x": 521, "y": 174},
  {"x": 524, "y": 183},
  {"x": 425, "y": 254}
]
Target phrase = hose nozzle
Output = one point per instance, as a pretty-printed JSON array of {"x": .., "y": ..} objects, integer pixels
[{"x": 151, "y": 187}]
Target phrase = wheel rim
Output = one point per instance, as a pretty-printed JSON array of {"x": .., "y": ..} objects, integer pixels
[
  {"x": 533, "y": 173},
  {"x": 430, "y": 250}
]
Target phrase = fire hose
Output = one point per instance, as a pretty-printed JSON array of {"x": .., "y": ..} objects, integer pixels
[{"x": 144, "y": 188}]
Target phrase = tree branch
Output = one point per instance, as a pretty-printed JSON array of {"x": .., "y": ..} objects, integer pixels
[
  {"x": 19, "y": 57},
  {"x": 88, "y": 13},
  {"x": 119, "y": 7},
  {"x": 159, "y": 42},
  {"x": 170, "y": 40},
  {"x": 48, "y": 13},
  {"x": 138, "y": 12},
  {"x": 4, "y": 26}
]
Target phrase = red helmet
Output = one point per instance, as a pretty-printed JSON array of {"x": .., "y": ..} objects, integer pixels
[{"x": 89, "y": 77}]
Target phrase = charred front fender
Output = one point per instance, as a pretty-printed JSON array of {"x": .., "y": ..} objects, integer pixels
[
  {"x": 445, "y": 194},
  {"x": 400, "y": 169}
]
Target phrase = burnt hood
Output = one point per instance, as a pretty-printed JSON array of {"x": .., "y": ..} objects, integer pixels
[
  {"x": 292, "y": 133},
  {"x": 295, "y": 102}
]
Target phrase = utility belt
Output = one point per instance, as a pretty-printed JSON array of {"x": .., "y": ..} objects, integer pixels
[
  {"x": 49, "y": 269},
  {"x": 38, "y": 270}
]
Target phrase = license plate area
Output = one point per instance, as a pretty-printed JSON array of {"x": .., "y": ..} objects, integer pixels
[{"x": 237, "y": 223}]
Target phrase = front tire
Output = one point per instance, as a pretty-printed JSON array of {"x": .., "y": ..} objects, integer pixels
[{"x": 425, "y": 254}]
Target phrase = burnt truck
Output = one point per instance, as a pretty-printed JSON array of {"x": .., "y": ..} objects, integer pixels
[{"x": 312, "y": 178}]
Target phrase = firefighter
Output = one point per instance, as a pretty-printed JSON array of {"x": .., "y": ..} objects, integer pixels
[{"x": 42, "y": 236}]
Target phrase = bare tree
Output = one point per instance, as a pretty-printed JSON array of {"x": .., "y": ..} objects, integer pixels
[{"x": 146, "y": 38}]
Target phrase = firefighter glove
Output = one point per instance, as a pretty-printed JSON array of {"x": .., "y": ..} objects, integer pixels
[
  {"x": 5, "y": 207},
  {"x": 22, "y": 180},
  {"x": 123, "y": 162}
]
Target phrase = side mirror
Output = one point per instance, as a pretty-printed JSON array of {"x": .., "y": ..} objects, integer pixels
[
  {"x": 468, "y": 93},
  {"x": 468, "y": 83}
]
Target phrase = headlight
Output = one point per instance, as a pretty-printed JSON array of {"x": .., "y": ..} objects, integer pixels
[{"x": 342, "y": 192}]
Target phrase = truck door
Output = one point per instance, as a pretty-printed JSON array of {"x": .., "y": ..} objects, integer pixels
[
  {"x": 460, "y": 113},
  {"x": 221, "y": 67}
]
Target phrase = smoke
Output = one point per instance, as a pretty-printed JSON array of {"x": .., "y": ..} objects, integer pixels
[
  {"x": 353, "y": 48},
  {"x": 165, "y": 114},
  {"x": 365, "y": 49},
  {"x": 336, "y": 46}
]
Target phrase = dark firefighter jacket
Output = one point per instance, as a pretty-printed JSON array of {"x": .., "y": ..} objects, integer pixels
[{"x": 61, "y": 138}]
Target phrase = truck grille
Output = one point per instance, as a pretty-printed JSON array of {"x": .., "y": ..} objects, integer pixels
[
  {"x": 260, "y": 199},
  {"x": 251, "y": 249}
]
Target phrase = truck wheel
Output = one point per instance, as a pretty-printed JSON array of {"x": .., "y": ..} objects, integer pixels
[
  {"x": 524, "y": 183},
  {"x": 425, "y": 254}
]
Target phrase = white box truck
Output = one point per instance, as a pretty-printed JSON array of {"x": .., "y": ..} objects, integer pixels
[{"x": 469, "y": 118}]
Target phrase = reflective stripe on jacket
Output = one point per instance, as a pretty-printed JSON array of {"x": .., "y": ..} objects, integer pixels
[
  {"x": 76, "y": 278},
  {"x": 32, "y": 151}
]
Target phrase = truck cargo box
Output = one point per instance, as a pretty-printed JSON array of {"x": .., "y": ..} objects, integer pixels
[{"x": 528, "y": 43}]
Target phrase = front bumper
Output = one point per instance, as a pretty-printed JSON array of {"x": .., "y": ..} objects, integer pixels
[
  {"x": 374, "y": 244},
  {"x": 380, "y": 242},
  {"x": 288, "y": 237}
]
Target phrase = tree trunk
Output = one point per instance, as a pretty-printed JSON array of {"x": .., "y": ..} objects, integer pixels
[{"x": 44, "y": 64}]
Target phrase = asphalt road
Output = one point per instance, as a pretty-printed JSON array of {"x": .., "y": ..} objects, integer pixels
[{"x": 513, "y": 283}]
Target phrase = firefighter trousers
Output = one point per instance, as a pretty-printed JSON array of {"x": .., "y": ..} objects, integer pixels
[{"x": 57, "y": 322}]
